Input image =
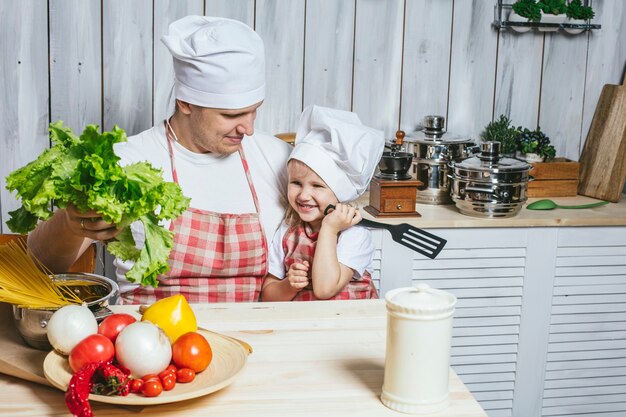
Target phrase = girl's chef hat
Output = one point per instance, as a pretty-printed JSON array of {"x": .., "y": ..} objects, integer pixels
[
  {"x": 218, "y": 62},
  {"x": 339, "y": 148}
]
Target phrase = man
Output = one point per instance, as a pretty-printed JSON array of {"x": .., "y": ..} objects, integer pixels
[{"x": 236, "y": 179}]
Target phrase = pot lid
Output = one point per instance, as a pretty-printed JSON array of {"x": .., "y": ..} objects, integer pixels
[
  {"x": 420, "y": 300},
  {"x": 489, "y": 159},
  {"x": 433, "y": 131}
]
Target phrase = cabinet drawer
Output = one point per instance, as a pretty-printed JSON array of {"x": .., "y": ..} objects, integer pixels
[{"x": 399, "y": 206}]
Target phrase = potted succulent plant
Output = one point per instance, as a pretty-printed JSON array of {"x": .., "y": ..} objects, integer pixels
[
  {"x": 577, "y": 13},
  {"x": 524, "y": 11},
  {"x": 552, "y": 11},
  {"x": 502, "y": 131},
  {"x": 534, "y": 145}
]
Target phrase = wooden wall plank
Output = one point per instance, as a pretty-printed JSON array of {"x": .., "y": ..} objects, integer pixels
[
  {"x": 328, "y": 53},
  {"x": 166, "y": 12},
  {"x": 377, "y": 65},
  {"x": 426, "y": 61},
  {"x": 562, "y": 91},
  {"x": 605, "y": 57},
  {"x": 242, "y": 10},
  {"x": 76, "y": 63},
  {"x": 281, "y": 25},
  {"x": 23, "y": 91},
  {"x": 473, "y": 62},
  {"x": 127, "y": 65},
  {"x": 518, "y": 77}
]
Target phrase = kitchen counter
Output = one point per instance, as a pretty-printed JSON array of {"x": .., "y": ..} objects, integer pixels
[
  {"x": 447, "y": 216},
  {"x": 323, "y": 358}
]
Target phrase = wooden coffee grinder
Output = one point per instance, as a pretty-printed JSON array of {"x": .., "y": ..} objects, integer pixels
[{"x": 393, "y": 190}]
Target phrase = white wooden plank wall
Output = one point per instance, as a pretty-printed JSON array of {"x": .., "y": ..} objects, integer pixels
[
  {"x": 586, "y": 362},
  {"x": 392, "y": 62}
]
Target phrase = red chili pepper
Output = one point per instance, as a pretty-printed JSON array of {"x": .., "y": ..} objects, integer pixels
[
  {"x": 98, "y": 377},
  {"x": 77, "y": 394},
  {"x": 111, "y": 380}
]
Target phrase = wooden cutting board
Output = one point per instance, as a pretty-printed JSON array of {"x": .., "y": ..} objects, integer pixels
[{"x": 603, "y": 159}]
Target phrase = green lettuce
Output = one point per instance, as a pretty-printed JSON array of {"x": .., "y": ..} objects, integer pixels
[{"x": 84, "y": 171}]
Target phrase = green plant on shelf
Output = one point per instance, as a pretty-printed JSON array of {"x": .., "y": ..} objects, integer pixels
[
  {"x": 528, "y": 8},
  {"x": 576, "y": 10},
  {"x": 502, "y": 131},
  {"x": 535, "y": 141},
  {"x": 552, "y": 6}
]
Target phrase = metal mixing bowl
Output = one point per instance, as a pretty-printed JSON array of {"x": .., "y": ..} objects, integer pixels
[{"x": 31, "y": 323}]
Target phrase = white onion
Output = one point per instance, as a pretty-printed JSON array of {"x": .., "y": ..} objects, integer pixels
[
  {"x": 68, "y": 326},
  {"x": 143, "y": 348}
]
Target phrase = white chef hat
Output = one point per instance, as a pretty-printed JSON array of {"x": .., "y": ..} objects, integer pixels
[
  {"x": 218, "y": 62},
  {"x": 339, "y": 148}
]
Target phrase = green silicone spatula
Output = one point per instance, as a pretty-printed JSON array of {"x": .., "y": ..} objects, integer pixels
[{"x": 549, "y": 205}]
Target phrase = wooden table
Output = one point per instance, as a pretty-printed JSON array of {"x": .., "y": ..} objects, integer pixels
[{"x": 323, "y": 358}]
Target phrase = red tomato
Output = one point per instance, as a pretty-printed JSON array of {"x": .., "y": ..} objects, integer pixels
[
  {"x": 136, "y": 385},
  {"x": 168, "y": 382},
  {"x": 93, "y": 348},
  {"x": 152, "y": 388},
  {"x": 150, "y": 377},
  {"x": 171, "y": 368},
  {"x": 166, "y": 373},
  {"x": 114, "y": 324},
  {"x": 192, "y": 350},
  {"x": 184, "y": 375}
]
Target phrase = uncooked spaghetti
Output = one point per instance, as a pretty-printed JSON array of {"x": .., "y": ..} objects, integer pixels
[{"x": 26, "y": 282}]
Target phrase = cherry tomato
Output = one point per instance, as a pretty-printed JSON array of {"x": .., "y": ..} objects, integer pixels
[
  {"x": 184, "y": 375},
  {"x": 136, "y": 385},
  {"x": 152, "y": 388},
  {"x": 114, "y": 324},
  {"x": 168, "y": 382},
  {"x": 150, "y": 377},
  {"x": 192, "y": 350},
  {"x": 93, "y": 348},
  {"x": 166, "y": 373},
  {"x": 172, "y": 368}
]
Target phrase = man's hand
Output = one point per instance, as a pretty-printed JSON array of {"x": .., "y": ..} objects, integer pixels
[{"x": 89, "y": 224}]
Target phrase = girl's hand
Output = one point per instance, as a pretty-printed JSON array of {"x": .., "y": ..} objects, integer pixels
[
  {"x": 89, "y": 224},
  {"x": 298, "y": 275},
  {"x": 341, "y": 218}
]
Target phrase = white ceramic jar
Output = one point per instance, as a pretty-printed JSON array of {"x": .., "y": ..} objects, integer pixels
[{"x": 417, "y": 358}]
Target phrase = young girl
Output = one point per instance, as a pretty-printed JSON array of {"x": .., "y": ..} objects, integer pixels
[{"x": 318, "y": 252}]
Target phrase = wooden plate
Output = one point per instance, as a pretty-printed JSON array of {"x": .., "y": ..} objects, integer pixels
[{"x": 229, "y": 359}]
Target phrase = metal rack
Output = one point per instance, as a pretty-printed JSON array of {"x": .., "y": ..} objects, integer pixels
[{"x": 501, "y": 23}]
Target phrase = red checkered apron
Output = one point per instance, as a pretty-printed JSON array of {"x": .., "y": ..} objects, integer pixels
[
  {"x": 299, "y": 246},
  {"x": 217, "y": 257}
]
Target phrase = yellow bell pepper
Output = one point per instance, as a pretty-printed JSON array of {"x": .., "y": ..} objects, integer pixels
[{"x": 173, "y": 315}]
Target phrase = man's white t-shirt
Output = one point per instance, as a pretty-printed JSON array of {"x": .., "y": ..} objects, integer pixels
[{"x": 214, "y": 182}]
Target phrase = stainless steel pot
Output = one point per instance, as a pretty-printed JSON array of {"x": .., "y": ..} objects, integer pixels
[
  {"x": 31, "y": 323},
  {"x": 433, "y": 149},
  {"x": 488, "y": 185}
]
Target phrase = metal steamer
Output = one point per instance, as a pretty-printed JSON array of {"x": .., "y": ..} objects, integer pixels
[
  {"x": 489, "y": 185},
  {"x": 433, "y": 150}
]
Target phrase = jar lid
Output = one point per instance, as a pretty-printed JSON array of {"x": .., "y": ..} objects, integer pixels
[{"x": 420, "y": 300}]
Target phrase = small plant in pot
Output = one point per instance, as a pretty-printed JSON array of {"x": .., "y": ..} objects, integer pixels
[
  {"x": 524, "y": 11},
  {"x": 577, "y": 13},
  {"x": 552, "y": 11},
  {"x": 502, "y": 131},
  {"x": 534, "y": 146}
]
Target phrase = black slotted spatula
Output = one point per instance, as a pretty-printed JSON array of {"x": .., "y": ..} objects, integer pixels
[{"x": 412, "y": 237}]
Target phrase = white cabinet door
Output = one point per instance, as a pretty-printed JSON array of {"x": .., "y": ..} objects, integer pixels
[{"x": 586, "y": 360}]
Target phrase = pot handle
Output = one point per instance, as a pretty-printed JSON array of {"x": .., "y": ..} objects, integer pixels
[{"x": 501, "y": 196}]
